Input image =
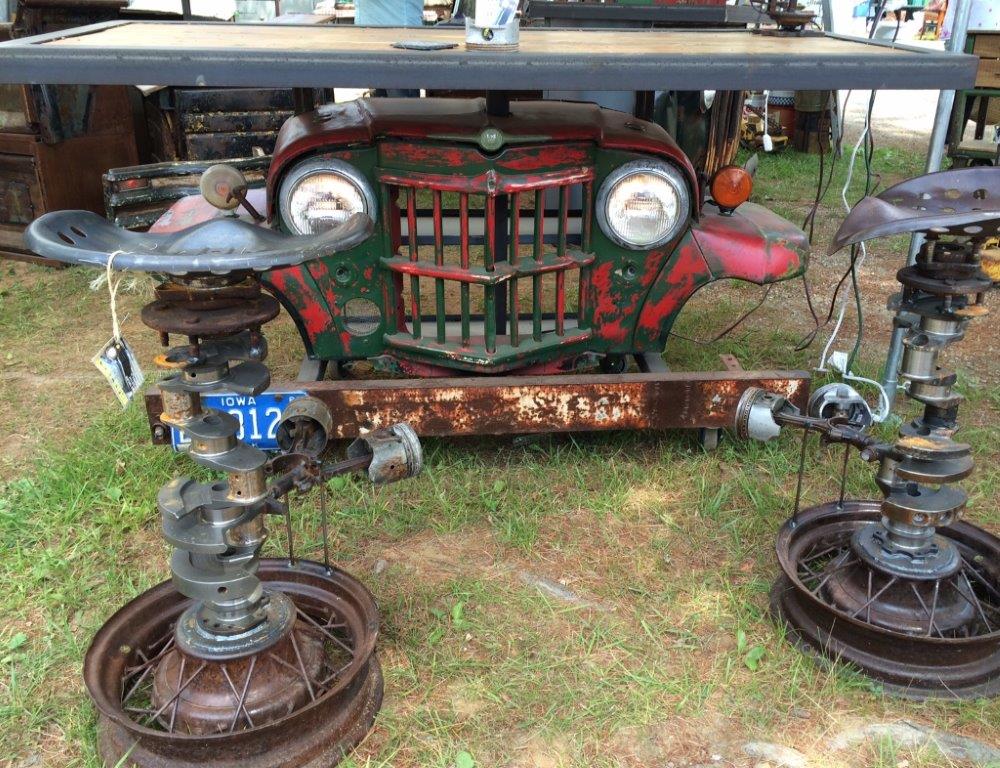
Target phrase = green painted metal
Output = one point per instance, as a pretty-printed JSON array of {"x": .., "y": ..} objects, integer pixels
[
  {"x": 536, "y": 281},
  {"x": 615, "y": 284}
]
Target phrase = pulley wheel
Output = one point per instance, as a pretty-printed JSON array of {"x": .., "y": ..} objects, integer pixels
[
  {"x": 921, "y": 637},
  {"x": 183, "y": 318},
  {"x": 303, "y": 703}
]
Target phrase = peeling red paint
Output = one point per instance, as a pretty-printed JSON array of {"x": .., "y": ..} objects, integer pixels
[
  {"x": 683, "y": 275},
  {"x": 313, "y": 315},
  {"x": 395, "y": 152},
  {"x": 491, "y": 182},
  {"x": 544, "y": 157},
  {"x": 752, "y": 244},
  {"x": 617, "y": 295}
]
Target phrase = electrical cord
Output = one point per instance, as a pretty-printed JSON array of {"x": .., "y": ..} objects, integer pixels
[
  {"x": 732, "y": 327},
  {"x": 821, "y": 190},
  {"x": 808, "y": 339},
  {"x": 823, "y": 184},
  {"x": 852, "y": 269},
  {"x": 810, "y": 222},
  {"x": 858, "y": 255}
]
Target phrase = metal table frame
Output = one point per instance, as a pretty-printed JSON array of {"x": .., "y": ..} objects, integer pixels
[{"x": 863, "y": 66}]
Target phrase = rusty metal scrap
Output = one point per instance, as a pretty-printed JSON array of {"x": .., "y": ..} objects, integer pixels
[{"x": 533, "y": 404}]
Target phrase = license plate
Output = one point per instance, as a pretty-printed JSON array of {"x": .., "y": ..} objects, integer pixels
[{"x": 258, "y": 416}]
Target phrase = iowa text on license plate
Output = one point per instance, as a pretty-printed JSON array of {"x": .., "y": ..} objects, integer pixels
[{"x": 258, "y": 416}]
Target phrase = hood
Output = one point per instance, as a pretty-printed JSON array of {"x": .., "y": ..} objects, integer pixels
[{"x": 364, "y": 121}]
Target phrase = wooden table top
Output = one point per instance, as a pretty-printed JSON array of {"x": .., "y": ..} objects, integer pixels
[{"x": 192, "y": 53}]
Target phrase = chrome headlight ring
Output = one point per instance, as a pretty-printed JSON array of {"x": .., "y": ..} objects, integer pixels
[
  {"x": 673, "y": 193},
  {"x": 309, "y": 170}
]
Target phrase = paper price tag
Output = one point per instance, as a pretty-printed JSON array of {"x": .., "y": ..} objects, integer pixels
[
  {"x": 118, "y": 363},
  {"x": 495, "y": 13}
]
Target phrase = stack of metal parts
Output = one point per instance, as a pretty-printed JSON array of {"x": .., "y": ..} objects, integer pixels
[
  {"x": 240, "y": 660},
  {"x": 901, "y": 588},
  {"x": 789, "y": 18}
]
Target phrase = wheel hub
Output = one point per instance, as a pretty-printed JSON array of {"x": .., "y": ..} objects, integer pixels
[
  {"x": 254, "y": 689},
  {"x": 934, "y": 558},
  {"x": 856, "y": 587},
  {"x": 920, "y": 637},
  {"x": 305, "y": 701}
]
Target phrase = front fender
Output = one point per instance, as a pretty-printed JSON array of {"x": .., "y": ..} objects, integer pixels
[{"x": 752, "y": 244}]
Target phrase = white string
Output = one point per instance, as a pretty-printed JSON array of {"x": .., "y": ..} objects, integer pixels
[
  {"x": 883, "y": 411},
  {"x": 113, "y": 285},
  {"x": 864, "y": 252},
  {"x": 884, "y": 408}
]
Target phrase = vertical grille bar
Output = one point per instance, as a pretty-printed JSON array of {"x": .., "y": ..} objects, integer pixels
[
  {"x": 587, "y": 208},
  {"x": 515, "y": 241},
  {"x": 564, "y": 193},
  {"x": 387, "y": 203},
  {"x": 563, "y": 219},
  {"x": 463, "y": 215},
  {"x": 411, "y": 235},
  {"x": 490, "y": 291},
  {"x": 439, "y": 260},
  {"x": 582, "y": 313},
  {"x": 536, "y": 280},
  {"x": 553, "y": 315}
]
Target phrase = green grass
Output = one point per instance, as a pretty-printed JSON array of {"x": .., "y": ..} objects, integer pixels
[
  {"x": 677, "y": 542},
  {"x": 673, "y": 657},
  {"x": 786, "y": 181}
]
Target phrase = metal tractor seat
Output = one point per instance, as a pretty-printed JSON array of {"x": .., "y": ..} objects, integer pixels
[
  {"x": 962, "y": 202},
  {"x": 219, "y": 246}
]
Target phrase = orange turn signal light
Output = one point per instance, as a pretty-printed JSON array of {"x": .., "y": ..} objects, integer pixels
[{"x": 731, "y": 187}]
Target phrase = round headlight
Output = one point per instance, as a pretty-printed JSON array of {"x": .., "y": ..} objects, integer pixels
[
  {"x": 321, "y": 193},
  {"x": 643, "y": 204}
]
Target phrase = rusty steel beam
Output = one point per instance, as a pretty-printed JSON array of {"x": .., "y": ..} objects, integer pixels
[{"x": 533, "y": 404}]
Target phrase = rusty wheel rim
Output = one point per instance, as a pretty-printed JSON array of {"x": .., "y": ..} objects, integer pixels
[
  {"x": 923, "y": 663},
  {"x": 119, "y": 671}
]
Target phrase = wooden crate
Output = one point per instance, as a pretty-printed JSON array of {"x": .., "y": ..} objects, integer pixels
[
  {"x": 986, "y": 45},
  {"x": 989, "y": 73}
]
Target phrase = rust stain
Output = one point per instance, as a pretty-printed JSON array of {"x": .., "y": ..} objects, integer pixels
[
  {"x": 919, "y": 442},
  {"x": 531, "y": 404}
]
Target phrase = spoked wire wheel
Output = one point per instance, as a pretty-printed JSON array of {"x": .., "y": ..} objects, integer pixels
[
  {"x": 305, "y": 701},
  {"x": 921, "y": 637}
]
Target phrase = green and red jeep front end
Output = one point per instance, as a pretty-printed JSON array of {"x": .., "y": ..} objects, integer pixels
[{"x": 552, "y": 238}]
